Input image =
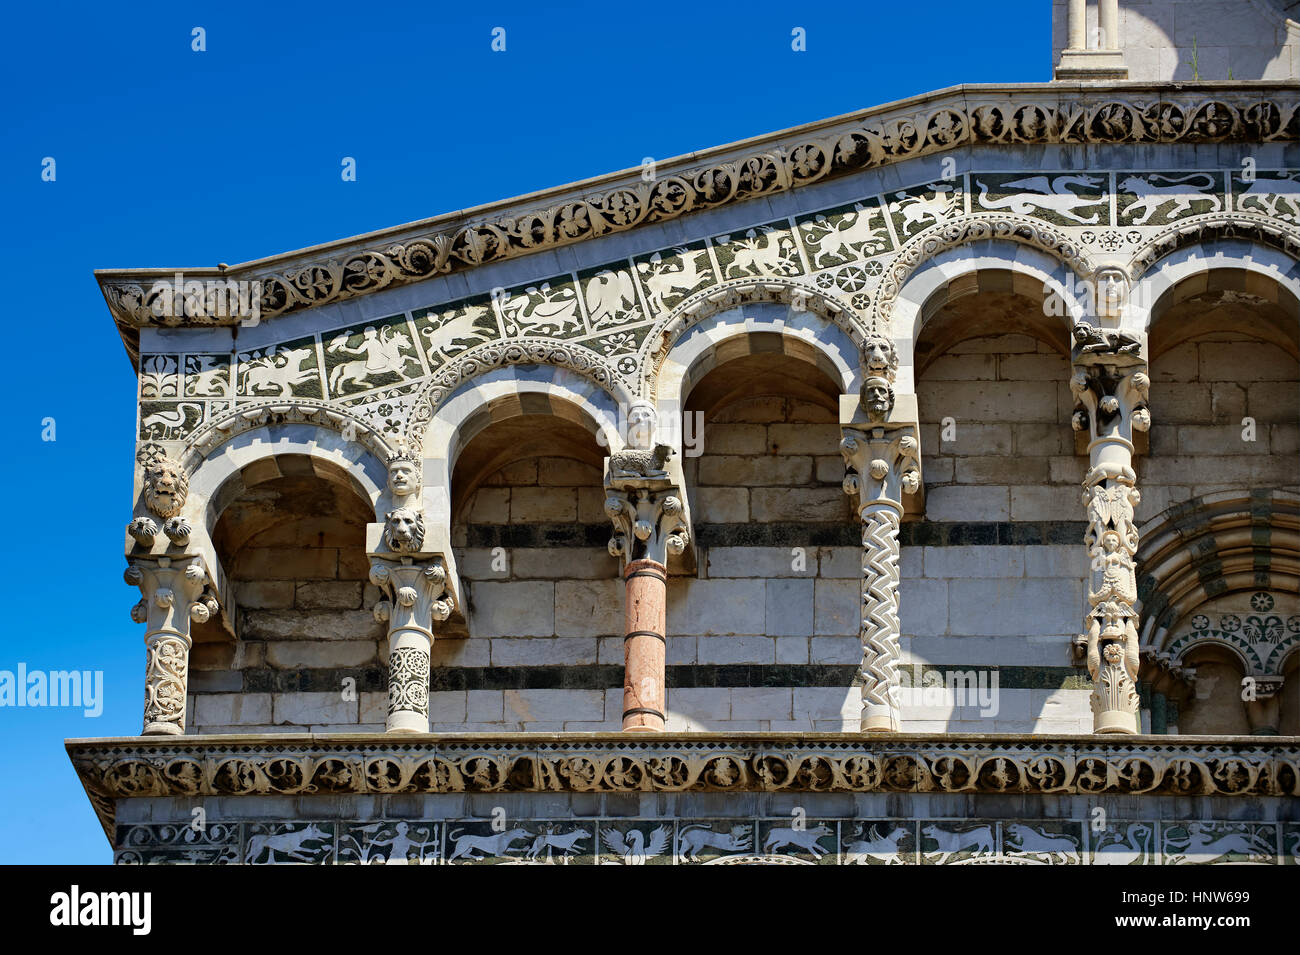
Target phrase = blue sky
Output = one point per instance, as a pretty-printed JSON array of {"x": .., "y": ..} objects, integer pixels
[{"x": 169, "y": 157}]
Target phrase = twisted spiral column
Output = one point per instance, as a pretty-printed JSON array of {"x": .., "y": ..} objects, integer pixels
[
  {"x": 883, "y": 463},
  {"x": 881, "y": 654}
]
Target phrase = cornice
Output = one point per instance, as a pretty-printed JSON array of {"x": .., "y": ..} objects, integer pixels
[
  {"x": 1025, "y": 114},
  {"x": 377, "y": 764}
]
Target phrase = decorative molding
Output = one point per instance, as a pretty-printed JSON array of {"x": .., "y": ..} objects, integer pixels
[
  {"x": 1238, "y": 225},
  {"x": 873, "y": 138},
  {"x": 298, "y": 411},
  {"x": 574, "y": 357},
  {"x": 727, "y": 295},
  {"x": 949, "y": 235},
  {"x": 300, "y": 764}
]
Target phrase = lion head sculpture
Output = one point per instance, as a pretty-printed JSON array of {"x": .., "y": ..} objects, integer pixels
[
  {"x": 404, "y": 530},
  {"x": 165, "y": 486}
]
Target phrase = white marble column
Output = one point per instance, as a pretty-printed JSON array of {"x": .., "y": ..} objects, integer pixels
[
  {"x": 882, "y": 457},
  {"x": 415, "y": 595},
  {"x": 174, "y": 593},
  {"x": 1110, "y": 386}
]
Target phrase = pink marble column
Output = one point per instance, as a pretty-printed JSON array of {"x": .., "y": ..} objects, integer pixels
[{"x": 644, "y": 646}]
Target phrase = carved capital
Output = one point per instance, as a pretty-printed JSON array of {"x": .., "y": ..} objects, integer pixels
[
  {"x": 883, "y": 464},
  {"x": 416, "y": 594},
  {"x": 1110, "y": 403},
  {"x": 649, "y": 521}
]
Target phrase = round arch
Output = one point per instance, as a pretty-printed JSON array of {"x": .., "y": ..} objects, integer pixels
[
  {"x": 502, "y": 394},
  {"x": 1216, "y": 264},
  {"x": 983, "y": 265},
  {"x": 1207, "y": 547},
  {"x": 753, "y": 329}
]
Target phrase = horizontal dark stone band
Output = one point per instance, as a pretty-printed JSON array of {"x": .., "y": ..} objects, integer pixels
[
  {"x": 644, "y": 633},
  {"x": 610, "y": 676},
  {"x": 910, "y": 534},
  {"x": 791, "y": 534}
]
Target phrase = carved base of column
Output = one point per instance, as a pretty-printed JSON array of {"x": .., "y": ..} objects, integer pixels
[
  {"x": 408, "y": 683},
  {"x": 879, "y": 719},
  {"x": 645, "y": 647},
  {"x": 1115, "y": 721},
  {"x": 162, "y": 729}
]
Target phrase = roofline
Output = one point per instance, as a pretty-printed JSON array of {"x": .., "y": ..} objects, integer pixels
[{"x": 1062, "y": 102}]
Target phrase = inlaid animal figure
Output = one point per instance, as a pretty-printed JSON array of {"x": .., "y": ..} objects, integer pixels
[
  {"x": 753, "y": 255},
  {"x": 565, "y": 842},
  {"x": 1209, "y": 847},
  {"x": 551, "y": 313},
  {"x": 637, "y": 462},
  {"x": 660, "y": 280},
  {"x": 1279, "y": 198},
  {"x": 1150, "y": 197},
  {"x": 158, "y": 423},
  {"x": 380, "y": 352},
  {"x": 610, "y": 296},
  {"x": 806, "y": 839},
  {"x": 497, "y": 844},
  {"x": 979, "y": 839},
  {"x": 1027, "y": 839},
  {"x": 285, "y": 844},
  {"x": 1047, "y": 194},
  {"x": 873, "y": 845},
  {"x": 919, "y": 211},
  {"x": 1131, "y": 850},
  {"x": 633, "y": 848},
  {"x": 278, "y": 374},
  {"x": 694, "y": 839}
]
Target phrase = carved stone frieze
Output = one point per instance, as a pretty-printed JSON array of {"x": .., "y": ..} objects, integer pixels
[{"x": 289, "y": 764}]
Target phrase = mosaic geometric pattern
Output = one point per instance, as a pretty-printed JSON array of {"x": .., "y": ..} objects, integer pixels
[
  {"x": 377, "y": 368},
  {"x": 789, "y": 840},
  {"x": 1256, "y": 629}
]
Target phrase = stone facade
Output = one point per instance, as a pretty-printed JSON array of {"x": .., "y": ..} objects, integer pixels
[{"x": 979, "y": 413}]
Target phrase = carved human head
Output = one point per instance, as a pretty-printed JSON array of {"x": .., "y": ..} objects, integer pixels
[
  {"x": 404, "y": 530},
  {"x": 877, "y": 397},
  {"x": 404, "y": 476},
  {"x": 641, "y": 421},
  {"x": 165, "y": 486}
]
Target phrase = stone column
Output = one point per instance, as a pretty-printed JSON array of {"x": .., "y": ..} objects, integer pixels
[
  {"x": 1110, "y": 386},
  {"x": 1108, "y": 22},
  {"x": 174, "y": 593},
  {"x": 649, "y": 524},
  {"x": 1078, "y": 25},
  {"x": 882, "y": 458},
  {"x": 882, "y": 462},
  {"x": 415, "y": 596}
]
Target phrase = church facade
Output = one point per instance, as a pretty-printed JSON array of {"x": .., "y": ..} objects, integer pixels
[{"x": 917, "y": 486}]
